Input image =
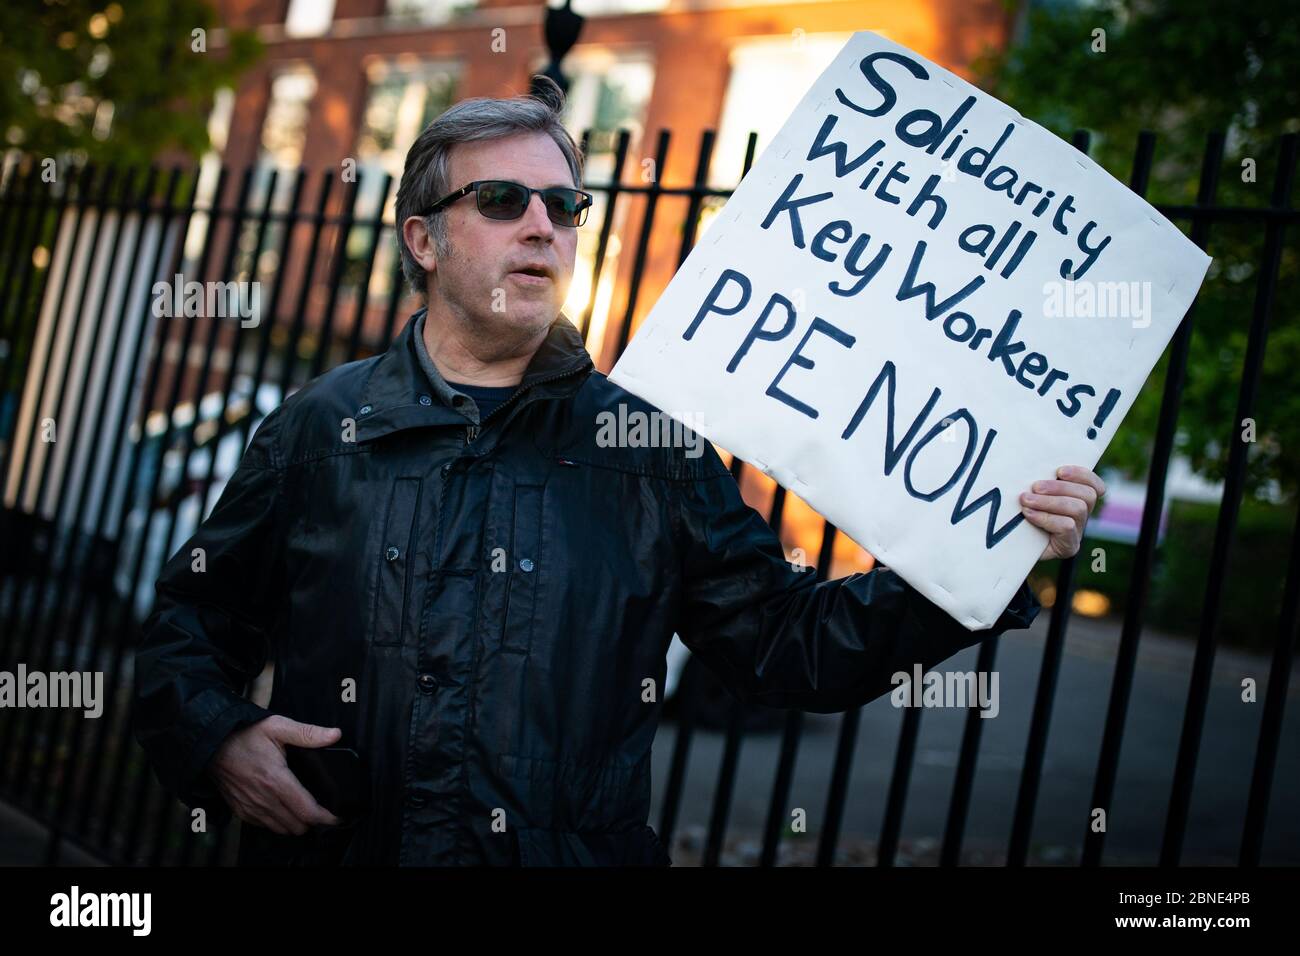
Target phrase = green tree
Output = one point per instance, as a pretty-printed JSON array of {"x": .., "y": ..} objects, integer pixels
[
  {"x": 1184, "y": 69},
  {"x": 84, "y": 81},
  {"x": 113, "y": 82}
]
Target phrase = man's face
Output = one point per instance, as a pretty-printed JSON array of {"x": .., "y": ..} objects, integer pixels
[{"x": 480, "y": 276}]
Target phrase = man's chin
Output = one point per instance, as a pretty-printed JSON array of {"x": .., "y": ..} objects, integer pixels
[
  {"x": 519, "y": 317},
  {"x": 526, "y": 321}
]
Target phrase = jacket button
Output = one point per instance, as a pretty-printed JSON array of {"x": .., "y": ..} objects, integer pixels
[
  {"x": 526, "y": 564},
  {"x": 428, "y": 683},
  {"x": 392, "y": 554},
  {"x": 425, "y": 400},
  {"x": 364, "y": 410}
]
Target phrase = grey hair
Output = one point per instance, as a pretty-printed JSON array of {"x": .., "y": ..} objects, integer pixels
[{"x": 424, "y": 178}]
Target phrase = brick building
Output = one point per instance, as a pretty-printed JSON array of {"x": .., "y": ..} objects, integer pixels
[{"x": 359, "y": 78}]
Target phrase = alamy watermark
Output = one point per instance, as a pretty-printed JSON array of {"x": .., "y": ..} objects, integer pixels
[
  {"x": 78, "y": 690},
  {"x": 1087, "y": 299},
  {"x": 947, "y": 689},
  {"x": 654, "y": 429},
  {"x": 75, "y": 908},
  {"x": 225, "y": 300}
]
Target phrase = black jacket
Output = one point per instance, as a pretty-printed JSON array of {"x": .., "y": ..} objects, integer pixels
[{"x": 503, "y": 601}]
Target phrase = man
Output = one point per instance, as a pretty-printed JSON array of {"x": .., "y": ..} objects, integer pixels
[{"x": 461, "y": 585}]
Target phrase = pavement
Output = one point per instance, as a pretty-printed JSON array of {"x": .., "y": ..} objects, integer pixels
[
  {"x": 1141, "y": 797},
  {"x": 23, "y": 841}
]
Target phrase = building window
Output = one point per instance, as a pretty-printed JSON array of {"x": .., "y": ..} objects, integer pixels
[
  {"x": 308, "y": 18},
  {"x": 283, "y": 143},
  {"x": 606, "y": 8},
  {"x": 609, "y": 90},
  {"x": 424, "y": 12},
  {"x": 284, "y": 131},
  {"x": 402, "y": 99},
  {"x": 769, "y": 76},
  {"x": 223, "y": 110}
]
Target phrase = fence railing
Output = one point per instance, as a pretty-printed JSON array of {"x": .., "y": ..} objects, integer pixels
[{"x": 119, "y": 426}]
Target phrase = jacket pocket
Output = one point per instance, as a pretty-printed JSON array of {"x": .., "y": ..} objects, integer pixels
[
  {"x": 525, "y": 566},
  {"x": 399, "y": 565},
  {"x": 604, "y": 797},
  {"x": 636, "y": 847}
]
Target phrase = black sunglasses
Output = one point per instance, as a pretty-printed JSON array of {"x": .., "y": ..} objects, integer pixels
[{"x": 502, "y": 199}]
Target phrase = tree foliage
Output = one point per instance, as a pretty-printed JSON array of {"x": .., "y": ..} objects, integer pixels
[
  {"x": 113, "y": 82},
  {"x": 1184, "y": 69}
]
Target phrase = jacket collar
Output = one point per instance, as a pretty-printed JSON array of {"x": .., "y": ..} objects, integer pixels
[{"x": 391, "y": 397}]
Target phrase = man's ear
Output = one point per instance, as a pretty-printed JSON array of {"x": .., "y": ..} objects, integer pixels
[{"x": 418, "y": 240}]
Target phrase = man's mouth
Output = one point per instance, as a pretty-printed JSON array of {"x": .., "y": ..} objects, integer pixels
[{"x": 531, "y": 276}]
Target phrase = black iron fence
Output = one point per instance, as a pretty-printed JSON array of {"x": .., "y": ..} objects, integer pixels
[{"x": 119, "y": 423}]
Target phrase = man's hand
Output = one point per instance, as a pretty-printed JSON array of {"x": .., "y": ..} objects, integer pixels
[
  {"x": 252, "y": 774},
  {"x": 1061, "y": 506}
]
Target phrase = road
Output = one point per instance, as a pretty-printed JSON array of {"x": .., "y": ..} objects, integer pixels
[{"x": 1136, "y": 822}]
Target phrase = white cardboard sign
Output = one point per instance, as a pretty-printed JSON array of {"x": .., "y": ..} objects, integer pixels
[{"x": 916, "y": 304}]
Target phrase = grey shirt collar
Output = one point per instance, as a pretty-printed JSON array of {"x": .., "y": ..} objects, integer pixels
[{"x": 444, "y": 392}]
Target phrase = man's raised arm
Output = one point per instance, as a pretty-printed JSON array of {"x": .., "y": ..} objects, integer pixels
[{"x": 779, "y": 638}]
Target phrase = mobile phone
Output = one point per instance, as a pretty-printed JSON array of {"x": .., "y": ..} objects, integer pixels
[{"x": 333, "y": 775}]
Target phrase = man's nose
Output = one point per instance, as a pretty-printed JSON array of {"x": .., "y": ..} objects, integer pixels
[{"x": 536, "y": 220}]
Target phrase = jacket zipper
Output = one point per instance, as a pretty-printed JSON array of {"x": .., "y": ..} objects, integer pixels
[{"x": 472, "y": 431}]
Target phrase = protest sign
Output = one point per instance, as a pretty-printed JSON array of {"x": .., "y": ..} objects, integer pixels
[{"x": 916, "y": 304}]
